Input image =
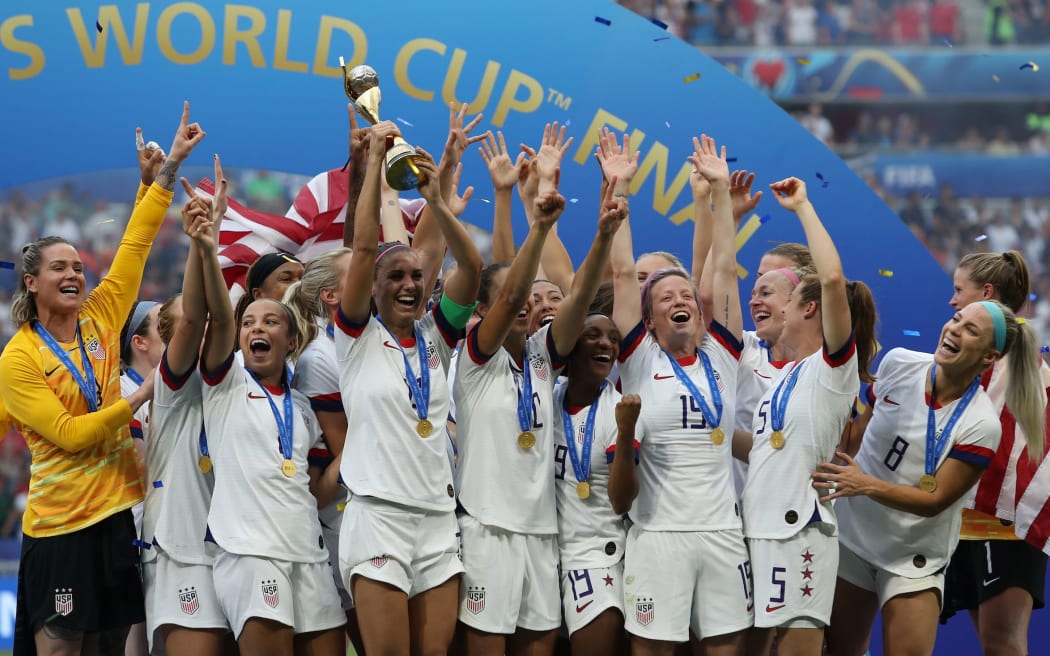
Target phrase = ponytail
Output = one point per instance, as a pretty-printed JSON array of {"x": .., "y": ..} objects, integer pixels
[
  {"x": 863, "y": 316},
  {"x": 1025, "y": 393},
  {"x": 306, "y": 325}
]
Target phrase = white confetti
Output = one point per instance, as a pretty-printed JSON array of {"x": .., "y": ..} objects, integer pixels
[
  {"x": 667, "y": 123},
  {"x": 485, "y": 200},
  {"x": 574, "y": 200},
  {"x": 404, "y": 122},
  {"x": 981, "y": 238}
]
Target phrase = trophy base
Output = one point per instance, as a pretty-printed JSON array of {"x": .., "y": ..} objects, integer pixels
[{"x": 402, "y": 173}]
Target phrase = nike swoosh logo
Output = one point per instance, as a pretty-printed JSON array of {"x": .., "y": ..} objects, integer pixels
[
  {"x": 255, "y": 396},
  {"x": 659, "y": 377},
  {"x": 48, "y": 373},
  {"x": 580, "y": 609},
  {"x": 770, "y": 609},
  {"x": 988, "y": 582},
  {"x": 887, "y": 400},
  {"x": 759, "y": 373}
]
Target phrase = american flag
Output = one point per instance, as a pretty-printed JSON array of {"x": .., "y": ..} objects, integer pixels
[
  {"x": 312, "y": 226},
  {"x": 1012, "y": 488}
]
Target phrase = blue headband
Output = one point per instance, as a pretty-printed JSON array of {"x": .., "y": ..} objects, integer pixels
[
  {"x": 999, "y": 322},
  {"x": 137, "y": 317}
]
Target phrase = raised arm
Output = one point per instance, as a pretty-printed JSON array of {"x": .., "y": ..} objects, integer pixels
[
  {"x": 355, "y": 173},
  {"x": 623, "y": 472},
  {"x": 619, "y": 166},
  {"x": 182, "y": 351},
  {"x": 725, "y": 302},
  {"x": 568, "y": 322},
  {"x": 517, "y": 287},
  {"x": 555, "y": 260},
  {"x": 834, "y": 303},
  {"x": 462, "y": 286},
  {"x": 221, "y": 334},
  {"x": 357, "y": 286},
  {"x": 504, "y": 174}
]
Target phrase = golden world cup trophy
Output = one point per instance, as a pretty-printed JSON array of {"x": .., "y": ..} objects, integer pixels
[{"x": 361, "y": 84}]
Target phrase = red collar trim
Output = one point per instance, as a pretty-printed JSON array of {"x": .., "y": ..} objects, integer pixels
[{"x": 687, "y": 361}]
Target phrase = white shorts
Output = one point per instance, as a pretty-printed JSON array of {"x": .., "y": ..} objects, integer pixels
[
  {"x": 511, "y": 579},
  {"x": 674, "y": 581},
  {"x": 886, "y": 585},
  {"x": 795, "y": 579},
  {"x": 413, "y": 550},
  {"x": 587, "y": 593},
  {"x": 179, "y": 594},
  {"x": 299, "y": 595},
  {"x": 330, "y": 533}
]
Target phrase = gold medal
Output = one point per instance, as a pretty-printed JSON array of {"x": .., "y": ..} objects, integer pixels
[
  {"x": 526, "y": 440},
  {"x": 583, "y": 490},
  {"x": 424, "y": 428},
  {"x": 204, "y": 464},
  {"x": 718, "y": 436},
  {"x": 288, "y": 468},
  {"x": 776, "y": 440},
  {"x": 927, "y": 483}
]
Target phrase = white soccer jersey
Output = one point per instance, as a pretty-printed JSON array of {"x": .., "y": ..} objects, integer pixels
[
  {"x": 756, "y": 371},
  {"x": 317, "y": 377},
  {"x": 685, "y": 479},
  {"x": 894, "y": 449},
  {"x": 501, "y": 484},
  {"x": 140, "y": 422},
  {"x": 179, "y": 495},
  {"x": 384, "y": 456},
  {"x": 256, "y": 510},
  {"x": 590, "y": 534},
  {"x": 779, "y": 498}
]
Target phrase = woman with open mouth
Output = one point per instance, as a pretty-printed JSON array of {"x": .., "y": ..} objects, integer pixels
[
  {"x": 828, "y": 324},
  {"x": 931, "y": 431},
  {"x": 398, "y": 547},
  {"x": 685, "y": 549}
]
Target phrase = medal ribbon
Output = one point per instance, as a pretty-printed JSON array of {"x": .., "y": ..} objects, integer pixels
[
  {"x": 935, "y": 445},
  {"x": 85, "y": 381},
  {"x": 420, "y": 389},
  {"x": 286, "y": 424},
  {"x": 581, "y": 469},
  {"x": 202, "y": 442},
  {"x": 778, "y": 404},
  {"x": 712, "y": 418},
  {"x": 135, "y": 376},
  {"x": 525, "y": 394},
  {"x": 330, "y": 331}
]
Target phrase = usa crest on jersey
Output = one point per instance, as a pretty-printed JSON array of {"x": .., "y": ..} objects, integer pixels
[
  {"x": 643, "y": 610},
  {"x": 64, "y": 601},
  {"x": 475, "y": 599},
  {"x": 270, "y": 593},
  {"x": 432, "y": 356},
  {"x": 94, "y": 347},
  {"x": 539, "y": 366},
  {"x": 188, "y": 601},
  {"x": 378, "y": 561}
]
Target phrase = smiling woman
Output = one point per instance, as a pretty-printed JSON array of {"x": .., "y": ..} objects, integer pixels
[{"x": 84, "y": 473}]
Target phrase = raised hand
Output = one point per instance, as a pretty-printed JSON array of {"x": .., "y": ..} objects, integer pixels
[
  {"x": 219, "y": 204},
  {"x": 627, "y": 411},
  {"x": 187, "y": 136},
  {"x": 614, "y": 210},
  {"x": 709, "y": 161},
  {"x": 553, "y": 148},
  {"x": 616, "y": 160},
  {"x": 458, "y": 134},
  {"x": 502, "y": 170},
  {"x": 429, "y": 181},
  {"x": 790, "y": 193},
  {"x": 740, "y": 193},
  {"x": 528, "y": 182},
  {"x": 358, "y": 142},
  {"x": 381, "y": 134},
  {"x": 457, "y": 203},
  {"x": 150, "y": 158},
  {"x": 699, "y": 185},
  {"x": 547, "y": 208},
  {"x": 197, "y": 218}
]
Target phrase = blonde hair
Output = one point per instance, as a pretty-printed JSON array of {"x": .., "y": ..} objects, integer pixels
[
  {"x": 1025, "y": 395},
  {"x": 303, "y": 297}
]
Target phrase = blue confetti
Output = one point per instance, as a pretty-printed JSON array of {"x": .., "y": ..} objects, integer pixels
[
  {"x": 824, "y": 183},
  {"x": 662, "y": 38},
  {"x": 158, "y": 484},
  {"x": 1032, "y": 297},
  {"x": 1045, "y": 349},
  {"x": 603, "y": 21},
  {"x": 7, "y": 265},
  {"x": 730, "y": 160},
  {"x": 911, "y": 333},
  {"x": 1031, "y": 65},
  {"x": 659, "y": 23},
  {"x": 765, "y": 217},
  {"x": 98, "y": 26}
]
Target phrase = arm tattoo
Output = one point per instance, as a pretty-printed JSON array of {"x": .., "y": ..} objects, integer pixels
[{"x": 168, "y": 174}]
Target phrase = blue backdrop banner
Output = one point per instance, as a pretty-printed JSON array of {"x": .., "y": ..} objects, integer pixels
[{"x": 970, "y": 175}]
